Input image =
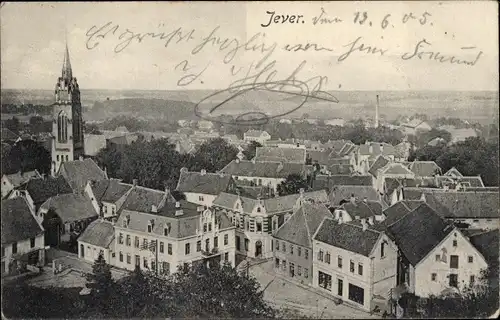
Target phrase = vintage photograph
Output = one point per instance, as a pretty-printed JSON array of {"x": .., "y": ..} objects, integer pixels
[{"x": 253, "y": 160}]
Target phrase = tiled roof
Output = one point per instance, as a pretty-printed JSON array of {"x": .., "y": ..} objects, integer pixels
[
  {"x": 347, "y": 236},
  {"x": 181, "y": 226},
  {"x": 142, "y": 199},
  {"x": 322, "y": 157},
  {"x": 206, "y": 183},
  {"x": 391, "y": 184},
  {"x": 485, "y": 189},
  {"x": 263, "y": 169},
  {"x": 19, "y": 178},
  {"x": 303, "y": 223},
  {"x": 42, "y": 189},
  {"x": 329, "y": 182},
  {"x": 79, "y": 172},
  {"x": 395, "y": 168},
  {"x": 453, "y": 172},
  {"x": 71, "y": 207},
  {"x": 347, "y": 149},
  {"x": 109, "y": 190},
  {"x": 399, "y": 210},
  {"x": 425, "y": 168},
  {"x": 17, "y": 221},
  {"x": 378, "y": 164},
  {"x": 100, "y": 233},
  {"x": 295, "y": 155},
  {"x": 338, "y": 161},
  {"x": 360, "y": 192},
  {"x": 377, "y": 148},
  {"x": 362, "y": 209},
  {"x": 340, "y": 169},
  {"x": 465, "y": 205},
  {"x": 93, "y": 143},
  {"x": 419, "y": 232},
  {"x": 471, "y": 181},
  {"x": 487, "y": 244}
]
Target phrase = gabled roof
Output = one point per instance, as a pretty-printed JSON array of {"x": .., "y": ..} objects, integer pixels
[
  {"x": 425, "y": 168},
  {"x": 347, "y": 149},
  {"x": 378, "y": 164},
  {"x": 206, "y": 183},
  {"x": 109, "y": 190},
  {"x": 376, "y": 148},
  {"x": 79, "y": 172},
  {"x": 470, "y": 181},
  {"x": 42, "y": 189},
  {"x": 295, "y": 155},
  {"x": 467, "y": 205},
  {"x": 413, "y": 123},
  {"x": 142, "y": 199},
  {"x": 396, "y": 169},
  {"x": 17, "y": 221},
  {"x": 254, "y": 133},
  {"x": 362, "y": 209},
  {"x": 453, "y": 172},
  {"x": 360, "y": 192},
  {"x": 263, "y": 169},
  {"x": 487, "y": 244},
  {"x": 303, "y": 223},
  {"x": 100, "y": 233},
  {"x": 419, "y": 232},
  {"x": 347, "y": 236},
  {"x": 399, "y": 210},
  {"x": 70, "y": 207},
  {"x": 19, "y": 178}
]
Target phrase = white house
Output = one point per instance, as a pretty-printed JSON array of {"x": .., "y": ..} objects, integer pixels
[
  {"x": 108, "y": 195},
  {"x": 354, "y": 263},
  {"x": 203, "y": 187},
  {"x": 23, "y": 242},
  {"x": 434, "y": 255},
  {"x": 97, "y": 238},
  {"x": 257, "y": 136}
]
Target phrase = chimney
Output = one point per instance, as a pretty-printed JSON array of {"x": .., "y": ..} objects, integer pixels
[
  {"x": 353, "y": 199},
  {"x": 381, "y": 148},
  {"x": 370, "y": 221},
  {"x": 177, "y": 204},
  {"x": 237, "y": 160},
  {"x": 301, "y": 192},
  {"x": 154, "y": 208},
  {"x": 113, "y": 221},
  {"x": 167, "y": 190},
  {"x": 203, "y": 172},
  {"x": 365, "y": 200},
  {"x": 253, "y": 160},
  {"x": 376, "y": 114},
  {"x": 363, "y": 224},
  {"x": 80, "y": 158},
  {"x": 134, "y": 182},
  {"x": 179, "y": 212}
]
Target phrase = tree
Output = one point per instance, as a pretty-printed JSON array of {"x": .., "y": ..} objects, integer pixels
[
  {"x": 212, "y": 155},
  {"x": 26, "y": 155},
  {"x": 13, "y": 124},
  {"x": 101, "y": 284},
  {"x": 292, "y": 184},
  {"x": 110, "y": 158},
  {"x": 249, "y": 152}
]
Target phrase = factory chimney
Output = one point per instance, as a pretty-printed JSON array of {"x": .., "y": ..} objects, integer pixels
[{"x": 376, "y": 113}]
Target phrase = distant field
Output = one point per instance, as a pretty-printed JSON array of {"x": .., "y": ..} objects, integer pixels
[{"x": 101, "y": 104}]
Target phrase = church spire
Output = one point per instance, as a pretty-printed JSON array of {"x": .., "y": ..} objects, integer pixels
[{"x": 67, "y": 73}]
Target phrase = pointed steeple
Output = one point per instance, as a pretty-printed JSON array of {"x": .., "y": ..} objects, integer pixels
[{"x": 67, "y": 73}]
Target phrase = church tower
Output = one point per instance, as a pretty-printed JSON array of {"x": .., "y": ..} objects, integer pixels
[{"x": 67, "y": 121}]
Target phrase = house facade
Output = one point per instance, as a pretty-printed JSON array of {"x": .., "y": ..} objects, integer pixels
[
  {"x": 257, "y": 136},
  {"x": 98, "y": 238},
  {"x": 354, "y": 263}
]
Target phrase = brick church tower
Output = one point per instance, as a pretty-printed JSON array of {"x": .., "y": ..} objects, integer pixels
[{"x": 67, "y": 123}]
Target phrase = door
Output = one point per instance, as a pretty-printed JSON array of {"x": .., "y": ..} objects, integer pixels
[
  {"x": 454, "y": 280},
  {"x": 82, "y": 251},
  {"x": 340, "y": 287},
  {"x": 258, "y": 249}
]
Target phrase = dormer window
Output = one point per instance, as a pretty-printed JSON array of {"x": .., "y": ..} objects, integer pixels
[
  {"x": 126, "y": 221},
  {"x": 166, "y": 230},
  {"x": 151, "y": 225},
  {"x": 258, "y": 209}
]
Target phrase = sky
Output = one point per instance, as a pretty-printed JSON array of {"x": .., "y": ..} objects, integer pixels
[{"x": 33, "y": 37}]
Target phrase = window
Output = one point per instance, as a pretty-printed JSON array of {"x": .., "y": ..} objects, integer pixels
[
  {"x": 169, "y": 248},
  {"x": 166, "y": 230},
  {"x": 339, "y": 262},
  {"x": 145, "y": 263},
  {"x": 291, "y": 249},
  {"x": 238, "y": 243},
  {"x": 57, "y": 157},
  {"x": 299, "y": 251},
  {"x": 129, "y": 259},
  {"x": 187, "y": 249},
  {"x": 277, "y": 263},
  {"x": 299, "y": 270},
  {"x": 121, "y": 256},
  {"x": 283, "y": 265},
  {"x": 434, "y": 276},
  {"x": 200, "y": 198},
  {"x": 454, "y": 243},
  {"x": 14, "y": 247},
  {"x": 137, "y": 260},
  {"x": 198, "y": 246},
  {"x": 306, "y": 273},
  {"x": 216, "y": 242},
  {"x": 454, "y": 262},
  {"x": 470, "y": 259},
  {"x": 259, "y": 227},
  {"x": 209, "y": 226},
  {"x": 128, "y": 240},
  {"x": 340, "y": 287},
  {"x": 226, "y": 256},
  {"x": 438, "y": 257},
  {"x": 226, "y": 239},
  {"x": 360, "y": 269},
  {"x": 352, "y": 266},
  {"x": 324, "y": 281},
  {"x": 453, "y": 280},
  {"x": 204, "y": 227},
  {"x": 327, "y": 257},
  {"x": 258, "y": 209},
  {"x": 3, "y": 252},
  {"x": 275, "y": 224},
  {"x": 320, "y": 255},
  {"x": 136, "y": 242},
  {"x": 120, "y": 238},
  {"x": 356, "y": 294},
  {"x": 306, "y": 254},
  {"x": 145, "y": 243},
  {"x": 472, "y": 279},
  {"x": 292, "y": 269},
  {"x": 162, "y": 247},
  {"x": 207, "y": 244},
  {"x": 113, "y": 210},
  {"x": 283, "y": 247},
  {"x": 153, "y": 265},
  {"x": 382, "y": 249},
  {"x": 32, "y": 242}
]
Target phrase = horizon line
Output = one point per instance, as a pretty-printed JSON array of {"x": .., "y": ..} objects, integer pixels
[{"x": 340, "y": 90}]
